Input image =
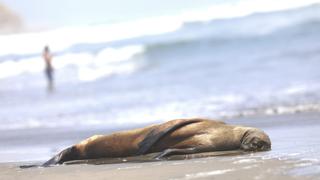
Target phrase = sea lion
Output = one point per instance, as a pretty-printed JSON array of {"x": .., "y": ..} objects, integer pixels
[{"x": 180, "y": 136}]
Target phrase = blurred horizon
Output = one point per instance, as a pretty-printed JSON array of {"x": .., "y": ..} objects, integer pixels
[
  {"x": 38, "y": 15},
  {"x": 54, "y": 14}
]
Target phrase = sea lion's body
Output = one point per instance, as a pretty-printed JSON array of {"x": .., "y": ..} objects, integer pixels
[{"x": 182, "y": 136}]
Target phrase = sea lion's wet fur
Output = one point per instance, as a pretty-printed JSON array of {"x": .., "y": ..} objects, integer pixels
[{"x": 176, "y": 137}]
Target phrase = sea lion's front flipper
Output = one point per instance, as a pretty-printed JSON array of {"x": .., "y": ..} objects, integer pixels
[
  {"x": 160, "y": 131},
  {"x": 191, "y": 153}
]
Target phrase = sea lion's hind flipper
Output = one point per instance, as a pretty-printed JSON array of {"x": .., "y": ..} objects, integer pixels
[
  {"x": 159, "y": 132},
  {"x": 50, "y": 162}
]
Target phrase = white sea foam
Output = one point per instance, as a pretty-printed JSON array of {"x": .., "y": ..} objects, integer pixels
[
  {"x": 12, "y": 68},
  {"x": 62, "y": 38},
  {"x": 111, "y": 61},
  {"x": 90, "y": 67},
  {"x": 140, "y": 114}
]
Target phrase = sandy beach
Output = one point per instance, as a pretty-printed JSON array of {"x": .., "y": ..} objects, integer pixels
[
  {"x": 238, "y": 167},
  {"x": 294, "y": 155}
]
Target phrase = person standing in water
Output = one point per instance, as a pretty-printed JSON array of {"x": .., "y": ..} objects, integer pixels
[{"x": 47, "y": 56}]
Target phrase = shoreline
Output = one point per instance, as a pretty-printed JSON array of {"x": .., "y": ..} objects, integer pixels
[
  {"x": 250, "y": 166},
  {"x": 294, "y": 155}
]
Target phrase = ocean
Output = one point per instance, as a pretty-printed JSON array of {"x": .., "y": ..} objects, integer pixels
[{"x": 128, "y": 74}]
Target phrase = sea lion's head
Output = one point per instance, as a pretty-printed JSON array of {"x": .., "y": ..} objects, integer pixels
[
  {"x": 255, "y": 140},
  {"x": 68, "y": 154}
]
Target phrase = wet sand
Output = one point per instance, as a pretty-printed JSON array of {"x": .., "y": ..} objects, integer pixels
[
  {"x": 238, "y": 167},
  {"x": 295, "y": 155}
]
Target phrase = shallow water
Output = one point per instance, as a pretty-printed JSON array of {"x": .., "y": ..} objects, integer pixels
[{"x": 212, "y": 68}]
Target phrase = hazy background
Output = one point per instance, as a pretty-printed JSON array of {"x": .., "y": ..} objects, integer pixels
[
  {"x": 52, "y": 14},
  {"x": 123, "y": 64},
  {"x": 38, "y": 14}
]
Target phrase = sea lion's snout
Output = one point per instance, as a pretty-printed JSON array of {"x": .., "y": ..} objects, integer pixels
[
  {"x": 256, "y": 140},
  {"x": 68, "y": 154},
  {"x": 257, "y": 144}
]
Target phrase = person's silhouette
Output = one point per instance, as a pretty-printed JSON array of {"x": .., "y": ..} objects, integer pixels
[{"x": 48, "y": 67}]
